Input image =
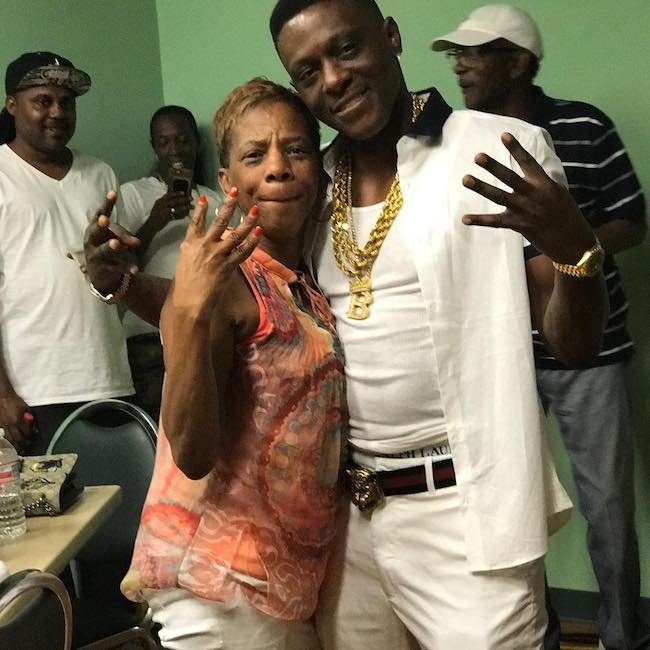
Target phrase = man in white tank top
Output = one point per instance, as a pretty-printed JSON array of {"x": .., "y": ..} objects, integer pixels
[{"x": 432, "y": 313}]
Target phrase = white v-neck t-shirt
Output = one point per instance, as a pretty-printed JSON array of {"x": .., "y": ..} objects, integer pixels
[{"x": 59, "y": 344}]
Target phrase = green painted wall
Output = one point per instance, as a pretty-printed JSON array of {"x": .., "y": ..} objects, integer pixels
[
  {"x": 209, "y": 46},
  {"x": 116, "y": 42}
]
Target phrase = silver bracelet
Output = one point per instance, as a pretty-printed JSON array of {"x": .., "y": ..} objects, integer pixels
[{"x": 118, "y": 294}]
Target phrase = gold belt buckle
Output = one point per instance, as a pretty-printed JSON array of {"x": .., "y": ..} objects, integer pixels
[{"x": 366, "y": 492}]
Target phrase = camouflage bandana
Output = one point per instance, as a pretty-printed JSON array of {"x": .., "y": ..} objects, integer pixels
[
  {"x": 44, "y": 69},
  {"x": 56, "y": 75}
]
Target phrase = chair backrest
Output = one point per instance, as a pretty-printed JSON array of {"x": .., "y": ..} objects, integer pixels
[
  {"x": 43, "y": 623},
  {"x": 116, "y": 444}
]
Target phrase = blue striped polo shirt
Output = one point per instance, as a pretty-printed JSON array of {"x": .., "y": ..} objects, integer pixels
[{"x": 604, "y": 185}]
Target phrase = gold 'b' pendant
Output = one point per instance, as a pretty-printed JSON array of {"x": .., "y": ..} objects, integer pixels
[{"x": 360, "y": 298}]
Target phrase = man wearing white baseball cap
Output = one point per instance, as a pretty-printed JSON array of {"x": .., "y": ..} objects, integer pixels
[
  {"x": 493, "y": 22},
  {"x": 496, "y": 54}
]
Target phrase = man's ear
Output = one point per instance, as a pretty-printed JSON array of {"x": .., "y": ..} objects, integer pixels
[
  {"x": 10, "y": 104},
  {"x": 224, "y": 181},
  {"x": 391, "y": 29},
  {"x": 521, "y": 64},
  {"x": 323, "y": 182},
  {"x": 321, "y": 204}
]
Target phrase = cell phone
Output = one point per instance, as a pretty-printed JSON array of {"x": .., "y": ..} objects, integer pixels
[
  {"x": 181, "y": 185},
  {"x": 180, "y": 180}
]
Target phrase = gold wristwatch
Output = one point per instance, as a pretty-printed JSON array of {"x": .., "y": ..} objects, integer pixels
[{"x": 587, "y": 266}]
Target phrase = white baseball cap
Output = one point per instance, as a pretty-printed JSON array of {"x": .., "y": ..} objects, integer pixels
[{"x": 490, "y": 22}]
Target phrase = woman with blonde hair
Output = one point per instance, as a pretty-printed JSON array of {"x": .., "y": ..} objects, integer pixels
[{"x": 241, "y": 511}]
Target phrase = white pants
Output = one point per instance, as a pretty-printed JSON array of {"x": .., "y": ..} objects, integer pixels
[
  {"x": 398, "y": 580},
  {"x": 192, "y": 623}
]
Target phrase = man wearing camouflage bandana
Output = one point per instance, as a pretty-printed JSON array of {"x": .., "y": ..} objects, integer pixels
[{"x": 59, "y": 347}]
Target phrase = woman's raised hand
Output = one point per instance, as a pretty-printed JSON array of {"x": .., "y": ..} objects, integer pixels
[{"x": 208, "y": 261}]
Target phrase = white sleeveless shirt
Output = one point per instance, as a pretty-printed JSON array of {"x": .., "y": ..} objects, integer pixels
[{"x": 391, "y": 352}]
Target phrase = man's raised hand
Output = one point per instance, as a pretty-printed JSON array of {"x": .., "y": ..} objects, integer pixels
[
  {"x": 108, "y": 249},
  {"x": 542, "y": 210}
]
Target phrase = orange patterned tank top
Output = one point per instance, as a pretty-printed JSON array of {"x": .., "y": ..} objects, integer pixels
[{"x": 261, "y": 523}]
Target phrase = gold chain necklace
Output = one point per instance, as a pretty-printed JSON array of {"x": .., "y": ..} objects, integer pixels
[{"x": 354, "y": 261}]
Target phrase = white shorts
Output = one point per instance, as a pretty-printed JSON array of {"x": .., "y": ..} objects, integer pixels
[
  {"x": 192, "y": 623},
  {"x": 398, "y": 579}
]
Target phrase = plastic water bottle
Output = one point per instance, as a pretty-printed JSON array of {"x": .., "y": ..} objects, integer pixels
[{"x": 12, "y": 515}]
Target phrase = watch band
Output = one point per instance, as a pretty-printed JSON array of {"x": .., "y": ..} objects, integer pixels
[
  {"x": 587, "y": 266},
  {"x": 118, "y": 294}
]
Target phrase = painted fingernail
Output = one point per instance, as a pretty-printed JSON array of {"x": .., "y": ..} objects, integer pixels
[
  {"x": 257, "y": 231},
  {"x": 255, "y": 210},
  {"x": 202, "y": 199},
  {"x": 28, "y": 418},
  {"x": 233, "y": 193}
]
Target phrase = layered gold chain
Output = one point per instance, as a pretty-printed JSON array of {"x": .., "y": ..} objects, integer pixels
[{"x": 354, "y": 261}]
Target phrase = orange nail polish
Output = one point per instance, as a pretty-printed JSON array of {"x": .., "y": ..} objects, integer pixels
[
  {"x": 257, "y": 231},
  {"x": 202, "y": 199},
  {"x": 255, "y": 210},
  {"x": 233, "y": 192}
]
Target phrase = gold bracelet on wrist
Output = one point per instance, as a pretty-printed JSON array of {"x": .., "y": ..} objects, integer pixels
[{"x": 587, "y": 266}]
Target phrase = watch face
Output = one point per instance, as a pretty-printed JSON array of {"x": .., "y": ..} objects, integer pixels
[
  {"x": 594, "y": 263},
  {"x": 590, "y": 266}
]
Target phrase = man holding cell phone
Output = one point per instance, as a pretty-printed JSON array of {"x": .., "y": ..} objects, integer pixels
[{"x": 157, "y": 208}]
